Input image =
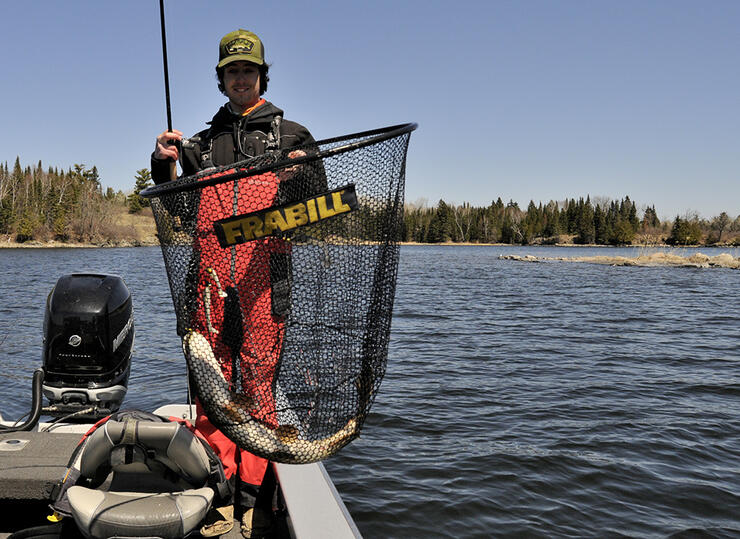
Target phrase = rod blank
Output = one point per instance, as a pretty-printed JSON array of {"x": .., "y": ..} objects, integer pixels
[{"x": 166, "y": 70}]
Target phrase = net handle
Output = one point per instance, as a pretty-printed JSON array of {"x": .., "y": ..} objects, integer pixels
[{"x": 376, "y": 136}]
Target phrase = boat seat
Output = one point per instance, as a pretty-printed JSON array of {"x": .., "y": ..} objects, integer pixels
[{"x": 157, "y": 487}]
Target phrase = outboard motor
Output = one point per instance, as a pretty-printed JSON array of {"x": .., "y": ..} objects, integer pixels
[{"x": 88, "y": 340}]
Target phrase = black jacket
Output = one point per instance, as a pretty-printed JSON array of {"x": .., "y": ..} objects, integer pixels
[{"x": 231, "y": 138}]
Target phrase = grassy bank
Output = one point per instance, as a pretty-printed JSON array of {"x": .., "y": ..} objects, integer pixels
[{"x": 120, "y": 229}]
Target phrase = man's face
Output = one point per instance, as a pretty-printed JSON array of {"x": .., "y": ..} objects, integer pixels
[{"x": 242, "y": 84}]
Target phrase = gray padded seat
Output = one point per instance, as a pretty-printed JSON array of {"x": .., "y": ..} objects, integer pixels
[
  {"x": 158, "y": 484},
  {"x": 133, "y": 514}
]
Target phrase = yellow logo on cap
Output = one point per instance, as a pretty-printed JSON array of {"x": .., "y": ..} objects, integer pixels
[
  {"x": 273, "y": 221},
  {"x": 239, "y": 45}
]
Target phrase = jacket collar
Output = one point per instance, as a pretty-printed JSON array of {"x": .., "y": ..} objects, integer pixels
[{"x": 262, "y": 114}]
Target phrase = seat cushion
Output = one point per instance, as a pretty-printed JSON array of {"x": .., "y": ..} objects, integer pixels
[
  {"x": 172, "y": 445},
  {"x": 133, "y": 514}
]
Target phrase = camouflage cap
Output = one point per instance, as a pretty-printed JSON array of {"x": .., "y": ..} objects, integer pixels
[{"x": 241, "y": 45}]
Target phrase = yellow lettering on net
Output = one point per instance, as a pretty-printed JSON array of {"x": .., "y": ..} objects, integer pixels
[
  {"x": 252, "y": 227},
  {"x": 312, "y": 215},
  {"x": 232, "y": 232},
  {"x": 274, "y": 220},
  {"x": 296, "y": 215},
  {"x": 324, "y": 212},
  {"x": 336, "y": 201}
]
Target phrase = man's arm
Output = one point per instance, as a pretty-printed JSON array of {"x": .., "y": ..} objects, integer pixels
[{"x": 165, "y": 155}]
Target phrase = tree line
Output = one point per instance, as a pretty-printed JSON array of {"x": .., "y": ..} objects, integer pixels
[
  {"x": 53, "y": 204},
  {"x": 582, "y": 221}
]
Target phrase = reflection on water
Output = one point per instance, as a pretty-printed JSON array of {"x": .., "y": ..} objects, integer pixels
[{"x": 537, "y": 400}]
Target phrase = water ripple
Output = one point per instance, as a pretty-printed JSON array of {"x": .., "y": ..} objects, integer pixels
[{"x": 521, "y": 400}]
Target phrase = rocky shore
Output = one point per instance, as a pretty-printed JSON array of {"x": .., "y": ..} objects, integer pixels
[
  {"x": 147, "y": 241},
  {"x": 697, "y": 260}
]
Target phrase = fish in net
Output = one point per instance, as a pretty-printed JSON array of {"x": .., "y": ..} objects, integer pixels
[{"x": 283, "y": 272}]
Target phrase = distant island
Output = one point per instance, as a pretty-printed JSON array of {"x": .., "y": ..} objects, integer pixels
[{"x": 56, "y": 208}]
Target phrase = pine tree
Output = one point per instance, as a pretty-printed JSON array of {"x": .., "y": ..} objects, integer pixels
[
  {"x": 136, "y": 202},
  {"x": 552, "y": 220},
  {"x": 6, "y": 215},
  {"x": 601, "y": 236},
  {"x": 632, "y": 214},
  {"x": 685, "y": 232},
  {"x": 650, "y": 219},
  {"x": 623, "y": 233},
  {"x": 441, "y": 224},
  {"x": 585, "y": 222}
]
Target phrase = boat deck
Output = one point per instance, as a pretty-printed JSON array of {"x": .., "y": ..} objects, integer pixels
[{"x": 33, "y": 462}]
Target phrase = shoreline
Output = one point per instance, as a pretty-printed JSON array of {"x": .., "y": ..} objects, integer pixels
[
  {"x": 587, "y": 245},
  {"x": 154, "y": 242},
  {"x": 34, "y": 244}
]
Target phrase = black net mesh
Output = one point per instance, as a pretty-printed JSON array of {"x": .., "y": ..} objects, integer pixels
[{"x": 283, "y": 272}]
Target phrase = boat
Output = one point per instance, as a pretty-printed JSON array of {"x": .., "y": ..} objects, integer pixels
[{"x": 84, "y": 378}]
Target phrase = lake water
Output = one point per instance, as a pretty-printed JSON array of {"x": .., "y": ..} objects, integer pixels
[{"x": 521, "y": 399}]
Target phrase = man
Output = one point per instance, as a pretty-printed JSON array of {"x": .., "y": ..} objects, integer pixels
[{"x": 245, "y": 127}]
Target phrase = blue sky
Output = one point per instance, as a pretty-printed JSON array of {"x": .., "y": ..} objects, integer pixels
[{"x": 521, "y": 99}]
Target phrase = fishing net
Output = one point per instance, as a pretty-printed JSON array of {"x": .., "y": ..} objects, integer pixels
[{"x": 283, "y": 271}]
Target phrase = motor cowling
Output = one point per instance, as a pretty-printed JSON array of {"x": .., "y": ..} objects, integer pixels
[{"x": 88, "y": 342}]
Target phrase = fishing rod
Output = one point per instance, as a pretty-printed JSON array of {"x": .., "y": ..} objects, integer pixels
[
  {"x": 166, "y": 70},
  {"x": 173, "y": 165}
]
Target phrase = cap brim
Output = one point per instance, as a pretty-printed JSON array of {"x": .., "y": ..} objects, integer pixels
[{"x": 240, "y": 57}]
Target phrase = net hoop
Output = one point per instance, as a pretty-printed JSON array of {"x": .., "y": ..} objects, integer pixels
[{"x": 241, "y": 168}]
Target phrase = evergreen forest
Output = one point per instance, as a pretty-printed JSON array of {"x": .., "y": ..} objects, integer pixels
[
  {"x": 582, "y": 221},
  {"x": 65, "y": 205}
]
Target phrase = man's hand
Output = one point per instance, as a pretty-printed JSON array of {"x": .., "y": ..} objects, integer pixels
[
  {"x": 288, "y": 173},
  {"x": 166, "y": 147}
]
